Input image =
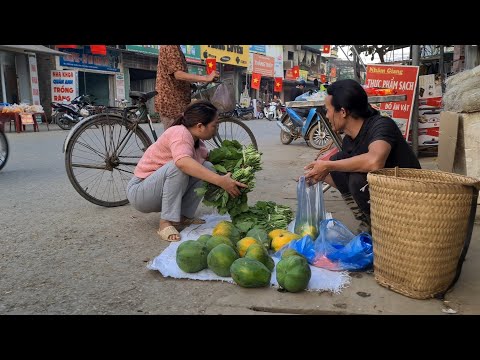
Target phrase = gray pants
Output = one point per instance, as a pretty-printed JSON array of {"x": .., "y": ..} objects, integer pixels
[{"x": 168, "y": 190}]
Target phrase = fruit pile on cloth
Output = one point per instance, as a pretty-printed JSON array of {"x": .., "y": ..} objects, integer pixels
[{"x": 321, "y": 279}]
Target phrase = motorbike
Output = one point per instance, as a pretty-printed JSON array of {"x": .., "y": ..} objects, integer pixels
[
  {"x": 272, "y": 111},
  {"x": 66, "y": 115},
  {"x": 303, "y": 123},
  {"x": 244, "y": 113}
]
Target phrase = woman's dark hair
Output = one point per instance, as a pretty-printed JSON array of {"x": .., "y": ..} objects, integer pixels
[
  {"x": 351, "y": 96},
  {"x": 201, "y": 111}
]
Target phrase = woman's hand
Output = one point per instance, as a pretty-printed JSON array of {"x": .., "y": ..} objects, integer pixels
[
  {"x": 231, "y": 186},
  {"x": 316, "y": 171},
  {"x": 214, "y": 75}
]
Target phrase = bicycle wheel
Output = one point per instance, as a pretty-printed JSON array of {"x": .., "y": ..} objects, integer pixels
[
  {"x": 3, "y": 150},
  {"x": 101, "y": 157},
  {"x": 231, "y": 128}
]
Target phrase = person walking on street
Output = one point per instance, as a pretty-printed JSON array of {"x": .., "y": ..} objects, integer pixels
[{"x": 173, "y": 83}]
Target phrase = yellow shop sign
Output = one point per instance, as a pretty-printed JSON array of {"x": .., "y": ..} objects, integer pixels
[{"x": 227, "y": 54}]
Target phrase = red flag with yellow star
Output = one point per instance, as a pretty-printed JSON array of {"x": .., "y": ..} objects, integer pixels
[
  {"x": 296, "y": 72},
  {"x": 256, "y": 78},
  {"x": 278, "y": 84},
  {"x": 323, "y": 78},
  {"x": 211, "y": 65},
  {"x": 98, "y": 49},
  {"x": 326, "y": 49}
]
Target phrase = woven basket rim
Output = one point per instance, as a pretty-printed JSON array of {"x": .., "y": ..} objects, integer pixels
[{"x": 469, "y": 181}]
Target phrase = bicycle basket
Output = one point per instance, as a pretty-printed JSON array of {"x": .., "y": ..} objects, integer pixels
[{"x": 206, "y": 93}]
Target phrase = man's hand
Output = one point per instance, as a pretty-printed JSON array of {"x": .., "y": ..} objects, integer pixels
[
  {"x": 214, "y": 75},
  {"x": 231, "y": 186},
  {"x": 316, "y": 171}
]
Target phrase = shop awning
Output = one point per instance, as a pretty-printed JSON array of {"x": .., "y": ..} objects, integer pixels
[{"x": 31, "y": 48}]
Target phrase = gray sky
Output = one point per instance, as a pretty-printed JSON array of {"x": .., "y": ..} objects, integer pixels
[{"x": 391, "y": 56}]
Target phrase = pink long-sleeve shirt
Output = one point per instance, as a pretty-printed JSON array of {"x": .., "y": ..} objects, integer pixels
[{"x": 175, "y": 143}]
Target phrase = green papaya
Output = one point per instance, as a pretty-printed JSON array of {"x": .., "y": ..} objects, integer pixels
[
  {"x": 293, "y": 273},
  {"x": 191, "y": 256},
  {"x": 258, "y": 252},
  {"x": 250, "y": 273},
  {"x": 221, "y": 258}
]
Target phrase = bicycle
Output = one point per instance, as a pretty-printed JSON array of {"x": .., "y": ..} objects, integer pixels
[
  {"x": 229, "y": 126},
  {"x": 3, "y": 149},
  {"x": 102, "y": 150}
]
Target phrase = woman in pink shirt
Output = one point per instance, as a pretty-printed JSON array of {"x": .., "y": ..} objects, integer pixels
[{"x": 172, "y": 168}]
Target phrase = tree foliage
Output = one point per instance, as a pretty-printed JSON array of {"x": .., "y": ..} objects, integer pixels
[{"x": 381, "y": 50}]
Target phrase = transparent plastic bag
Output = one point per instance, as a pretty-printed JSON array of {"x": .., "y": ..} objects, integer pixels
[
  {"x": 337, "y": 248},
  {"x": 223, "y": 99},
  {"x": 310, "y": 208}
]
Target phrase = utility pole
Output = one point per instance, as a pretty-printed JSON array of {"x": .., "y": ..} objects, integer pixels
[{"x": 414, "y": 123}]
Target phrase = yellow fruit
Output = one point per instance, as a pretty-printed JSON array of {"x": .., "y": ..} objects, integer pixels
[
  {"x": 282, "y": 239},
  {"x": 244, "y": 244},
  {"x": 309, "y": 230},
  {"x": 226, "y": 228},
  {"x": 274, "y": 233}
]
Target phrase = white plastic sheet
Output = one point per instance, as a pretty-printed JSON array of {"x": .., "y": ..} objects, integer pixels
[{"x": 165, "y": 263}]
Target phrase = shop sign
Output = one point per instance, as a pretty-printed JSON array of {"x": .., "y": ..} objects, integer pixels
[
  {"x": 197, "y": 70},
  {"x": 227, "y": 54},
  {"x": 430, "y": 86},
  {"x": 263, "y": 65},
  {"x": 32, "y": 63},
  {"x": 145, "y": 49},
  {"x": 259, "y": 49},
  {"x": 402, "y": 79},
  {"x": 64, "y": 85},
  {"x": 26, "y": 118},
  {"x": 192, "y": 53},
  {"x": 78, "y": 58},
  {"x": 120, "y": 86},
  {"x": 276, "y": 51}
]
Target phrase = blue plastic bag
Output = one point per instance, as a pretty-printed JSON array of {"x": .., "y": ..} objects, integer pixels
[
  {"x": 337, "y": 248},
  {"x": 303, "y": 246}
]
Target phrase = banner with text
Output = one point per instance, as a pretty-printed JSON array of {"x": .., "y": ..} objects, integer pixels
[
  {"x": 227, "y": 54},
  {"x": 263, "y": 65},
  {"x": 64, "y": 85},
  {"x": 403, "y": 79}
]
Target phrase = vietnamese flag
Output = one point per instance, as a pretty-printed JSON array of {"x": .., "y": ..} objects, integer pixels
[
  {"x": 256, "y": 78},
  {"x": 99, "y": 49},
  {"x": 323, "y": 78},
  {"x": 278, "y": 84},
  {"x": 211, "y": 65},
  {"x": 296, "y": 72},
  {"x": 326, "y": 49}
]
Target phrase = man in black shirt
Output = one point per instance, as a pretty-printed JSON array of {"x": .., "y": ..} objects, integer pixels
[
  {"x": 299, "y": 89},
  {"x": 371, "y": 142}
]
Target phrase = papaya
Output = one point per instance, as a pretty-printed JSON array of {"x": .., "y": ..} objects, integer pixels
[
  {"x": 282, "y": 239},
  {"x": 258, "y": 252},
  {"x": 274, "y": 233},
  {"x": 244, "y": 244},
  {"x": 250, "y": 273},
  {"x": 289, "y": 252},
  {"x": 191, "y": 256},
  {"x": 204, "y": 238},
  {"x": 227, "y": 229},
  {"x": 307, "y": 229},
  {"x": 217, "y": 240},
  {"x": 293, "y": 273},
  {"x": 221, "y": 258}
]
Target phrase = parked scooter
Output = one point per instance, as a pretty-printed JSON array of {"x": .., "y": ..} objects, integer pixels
[
  {"x": 66, "y": 115},
  {"x": 244, "y": 113}
]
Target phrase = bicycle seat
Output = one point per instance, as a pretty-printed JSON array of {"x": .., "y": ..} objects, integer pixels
[{"x": 142, "y": 96}]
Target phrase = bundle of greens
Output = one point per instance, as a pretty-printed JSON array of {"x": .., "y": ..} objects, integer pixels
[
  {"x": 242, "y": 163},
  {"x": 265, "y": 215}
]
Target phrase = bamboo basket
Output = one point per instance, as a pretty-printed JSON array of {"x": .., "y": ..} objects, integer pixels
[{"x": 422, "y": 222}]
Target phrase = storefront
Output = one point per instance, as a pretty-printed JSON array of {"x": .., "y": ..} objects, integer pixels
[
  {"x": 19, "y": 73},
  {"x": 95, "y": 73}
]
